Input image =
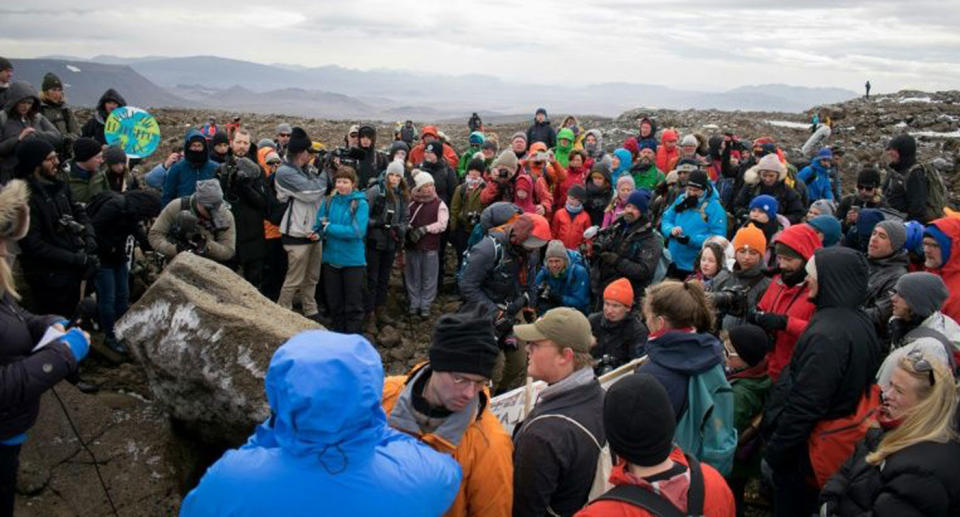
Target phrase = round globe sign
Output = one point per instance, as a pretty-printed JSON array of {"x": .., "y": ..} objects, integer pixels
[{"x": 133, "y": 129}]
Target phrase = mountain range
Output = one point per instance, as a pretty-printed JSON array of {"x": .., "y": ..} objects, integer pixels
[{"x": 338, "y": 92}]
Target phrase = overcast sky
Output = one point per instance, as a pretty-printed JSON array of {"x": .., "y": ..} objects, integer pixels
[{"x": 696, "y": 44}]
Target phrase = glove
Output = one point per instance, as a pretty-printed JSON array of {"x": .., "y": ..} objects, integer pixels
[
  {"x": 609, "y": 258},
  {"x": 79, "y": 346},
  {"x": 416, "y": 234},
  {"x": 683, "y": 239},
  {"x": 769, "y": 321},
  {"x": 503, "y": 325}
]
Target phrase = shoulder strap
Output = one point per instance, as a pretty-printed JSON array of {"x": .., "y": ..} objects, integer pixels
[
  {"x": 643, "y": 498},
  {"x": 568, "y": 419},
  {"x": 697, "y": 491}
]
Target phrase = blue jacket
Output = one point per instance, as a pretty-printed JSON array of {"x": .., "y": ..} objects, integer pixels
[
  {"x": 348, "y": 217},
  {"x": 818, "y": 187},
  {"x": 573, "y": 283},
  {"x": 678, "y": 355},
  {"x": 701, "y": 223},
  {"x": 182, "y": 178},
  {"x": 327, "y": 449}
]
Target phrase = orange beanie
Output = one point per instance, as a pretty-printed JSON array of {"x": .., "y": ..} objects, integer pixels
[
  {"x": 750, "y": 237},
  {"x": 619, "y": 290}
]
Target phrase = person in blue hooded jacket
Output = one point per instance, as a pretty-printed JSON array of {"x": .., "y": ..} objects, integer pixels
[
  {"x": 622, "y": 163},
  {"x": 560, "y": 282},
  {"x": 182, "y": 177},
  {"x": 342, "y": 223},
  {"x": 694, "y": 217},
  {"x": 326, "y": 448},
  {"x": 817, "y": 176}
]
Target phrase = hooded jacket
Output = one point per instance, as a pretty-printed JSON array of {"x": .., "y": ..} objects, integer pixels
[
  {"x": 85, "y": 184},
  {"x": 949, "y": 269},
  {"x": 626, "y": 162},
  {"x": 597, "y": 199},
  {"x": 243, "y": 189},
  {"x": 181, "y": 180},
  {"x": 62, "y": 118},
  {"x": 303, "y": 190},
  {"x": 648, "y": 178},
  {"x": 595, "y": 153},
  {"x": 569, "y": 227},
  {"x": 372, "y": 163},
  {"x": 327, "y": 448},
  {"x": 676, "y": 356},
  {"x": 905, "y": 186},
  {"x": 118, "y": 217},
  {"x": 790, "y": 204},
  {"x": 346, "y": 217},
  {"x": 667, "y": 158},
  {"x": 638, "y": 248},
  {"x": 562, "y": 153},
  {"x": 93, "y": 128},
  {"x": 416, "y": 153},
  {"x": 707, "y": 219},
  {"x": 652, "y": 137},
  {"x": 13, "y": 125},
  {"x": 542, "y": 132},
  {"x": 388, "y": 220},
  {"x": 573, "y": 285},
  {"x": 884, "y": 273},
  {"x": 221, "y": 243},
  {"x": 833, "y": 364},
  {"x": 817, "y": 179}
]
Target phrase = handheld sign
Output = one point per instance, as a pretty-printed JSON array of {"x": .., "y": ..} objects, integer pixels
[{"x": 133, "y": 129}]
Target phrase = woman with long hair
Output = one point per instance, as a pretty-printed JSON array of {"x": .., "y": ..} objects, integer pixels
[{"x": 388, "y": 200}]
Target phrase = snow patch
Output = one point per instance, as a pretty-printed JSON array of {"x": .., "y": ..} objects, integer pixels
[
  {"x": 788, "y": 124},
  {"x": 72, "y": 68},
  {"x": 936, "y": 134},
  {"x": 710, "y": 126},
  {"x": 900, "y": 125},
  {"x": 906, "y": 100},
  {"x": 245, "y": 360}
]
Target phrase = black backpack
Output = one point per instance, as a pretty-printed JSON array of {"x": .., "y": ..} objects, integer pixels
[{"x": 655, "y": 503}]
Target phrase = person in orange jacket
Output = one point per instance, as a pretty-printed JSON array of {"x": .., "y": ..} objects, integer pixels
[
  {"x": 427, "y": 135},
  {"x": 445, "y": 404},
  {"x": 667, "y": 153},
  {"x": 541, "y": 163},
  {"x": 275, "y": 263}
]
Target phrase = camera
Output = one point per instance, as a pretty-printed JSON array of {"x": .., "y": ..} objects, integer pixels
[
  {"x": 503, "y": 173},
  {"x": 604, "y": 240},
  {"x": 605, "y": 365},
  {"x": 543, "y": 292},
  {"x": 473, "y": 218},
  {"x": 540, "y": 157},
  {"x": 76, "y": 231},
  {"x": 731, "y": 300}
]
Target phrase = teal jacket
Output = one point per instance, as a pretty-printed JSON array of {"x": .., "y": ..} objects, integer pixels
[{"x": 347, "y": 218}]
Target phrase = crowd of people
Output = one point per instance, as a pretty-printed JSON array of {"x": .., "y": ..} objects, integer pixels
[{"x": 790, "y": 331}]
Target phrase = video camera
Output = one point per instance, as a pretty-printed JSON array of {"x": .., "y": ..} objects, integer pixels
[
  {"x": 186, "y": 235},
  {"x": 75, "y": 230},
  {"x": 350, "y": 157},
  {"x": 731, "y": 300}
]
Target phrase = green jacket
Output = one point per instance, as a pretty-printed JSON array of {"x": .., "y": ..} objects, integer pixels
[
  {"x": 465, "y": 160},
  {"x": 648, "y": 179},
  {"x": 465, "y": 208},
  {"x": 84, "y": 187},
  {"x": 62, "y": 117},
  {"x": 749, "y": 397}
]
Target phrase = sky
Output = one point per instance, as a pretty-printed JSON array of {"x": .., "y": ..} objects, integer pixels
[{"x": 707, "y": 45}]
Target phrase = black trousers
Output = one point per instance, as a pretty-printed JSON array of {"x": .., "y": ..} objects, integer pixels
[
  {"x": 793, "y": 497},
  {"x": 9, "y": 464},
  {"x": 60, "y": 297},
  {"x": 379, "y": 267},
  {"x": 344, "y": 288},
  {"x": 274, "y": 269},
  {"x": 459, "y": 239}
]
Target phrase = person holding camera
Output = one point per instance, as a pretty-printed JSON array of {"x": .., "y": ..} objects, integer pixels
[
  {"x": 244, "y": 190},
  {"x": 621, "y": 335},
  {"x": 198, "y": 223},
  {"x": 386, "y": 232},
  {"x": 466, "y": 206},
  {"x": 693, "y": 218},
  {"x": 561, "y": 282},
  {"x": 428, "y": 221},
  {"x": 737, "y": 293}
]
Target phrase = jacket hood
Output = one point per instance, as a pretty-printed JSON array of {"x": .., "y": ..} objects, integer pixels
[
  {"x": 193, "y": 134},
  {"x": 110, "y": 95},
  {"x": 18, "y": 91},
  {"x": 565, "y": 133},
  {"x": 685, "y": 352},
  {"x": 653, "y": 127},
  {"x": 596, "y": 134},
  {"x": 537, "y": 147},
  {"x": 906, "y": 146},
  {"x": 842, "y": 275},
  {"x": 800, "y": 238},
  {"x": 950, "y": 226},
  {"x": 429, "y": 130},
  {"x": 499, "y": 213},
  {"x": 325, "y": 392},
  {"x": 626, "y": 160}
]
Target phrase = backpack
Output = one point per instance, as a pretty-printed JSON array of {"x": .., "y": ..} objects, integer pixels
[
  {"x": 706, "y": 428},
  {"x": 497, "y": 253},
  {"x": 936, "y": 192},
  {"x": 574, "y": 257},
  {"x": 663, "y": 265},
  {"x": 657, "y": 505}
]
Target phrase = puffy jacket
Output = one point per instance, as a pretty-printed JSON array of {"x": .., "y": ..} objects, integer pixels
[
  {"x": 884, "y": 273},
  {"x": 792, "y": 302},
  {"x": 573, "y": 285},
  {"x": 118, "y": 217},
  {"x": 416, "y": 153},
  {"x": 13, "y": 125},
  {"x": 474, "y": 437},
  {"x": 346, "y": 219},
  {"x": 379, "y": 236},
  {"x": 647, "y": 178},
  {"x": 833, "y": 363},
  {"x": 623, "y": 340},
  {"x": 569, "y": 228},
  {"x": 638, "y": 247},
  {"x": 327, "y": 448},
  {"x": 244, "y": 191},
  {"x": 667, "y": 158},
  {"x": 561, "y": 152},
  {"x": 916, "y": 481},
  {"x": 817, "y": 179},
  {"x": 597, "y": 200},
  {"x": 790, "y": 204},
  {"x": 50, "y": 254},
  {"x": 221, "y": 243},
  {"x": 94, "y": 126},
  {"x": 699, "y": 224},
  {"x": 575, "y": 176},
  {"x": 754, "y": 279},
  {"x": 465, "y": 160},
  {"x": 181, "y": 180},
  {"x": 303, "y": 191},
  {"x": 949, "y": 270},
  {"x": 542, "y": 132},
  {"x": 676, "y": 356}
]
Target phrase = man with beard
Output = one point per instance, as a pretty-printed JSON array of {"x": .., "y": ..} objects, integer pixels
[
  {"x": 373, "y": 162},
  {"x": 283, "y": 138},
  {"x": 645, "y": 173},
  {"x": 888, "y": 262},
  {"x": 181, "y": 179},
  {"x": 593, "y": 147},
  {"x": 243, "y": 189},
  {"x": 628, "y": 248}
]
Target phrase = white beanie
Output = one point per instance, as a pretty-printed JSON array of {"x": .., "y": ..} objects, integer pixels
[
  {"x": 420, "y": 179},
  {"x": 689, "y": 140},
  {"x": 770, "y": 162}
]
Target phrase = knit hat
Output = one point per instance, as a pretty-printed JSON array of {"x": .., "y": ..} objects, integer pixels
[
  {"x": 51, "y": 81},
  {"x": 209, "y": 194},
  {"x": 829, "y": 226},
  {"x": 283, "y": 128},
  {"x": 640, "y": 198},
  {"x": 519, "y": 134},
  {"x": 556, "y": 249},
  {"x": 5, "y": 64},
  {"x": 823, "y": 206},
  {"x": 266, "y": 142},
  {"x": 541, "y": 110},
  {"x": 628, "y": 179},
  {"x": 669, "y": 135},
  {"x": 114, "y": 154},
  {"x": 866, "y": 221},
  {"x": 565, "y": 326},
  {"x": 924, "y": 292},
  {"x": 489, "y": 144},
  {"x": 638, "y": 420},
  {"x": 868, "y": 177},
  {"x": 750, "y": 342},
  {"x": 768, "y": 204},
  {"x": 647, "y": 143},
  {"x": 896, "y": 231},
  {"x": 219, "y": 137},
  {"x": 367, "y": 131},
  {"x": 273, "y": 157},
  {"x": 914, "y": 242},
  {"x": 698, "y": 178},
  {"x": 578, "y": 192},
  {"x": 506, "y": 160},
  {"x": 770, "y": 162},
  {"x": 395, "y": 167},
  {"x": 942, "y": 239},
  {"x": 85, "y": 148},
  {"x": 750, "y": 237},
  {"x": 421, "y": 179},
  {"x": 476, "y": 138},
  {"x": 299, "y": 141},
  {"x": 464, "y": 343},
  {"x": 826, "y": 153},
  {"x": 31, "y": 153},
  {"x": 620, "y": 290},
  {"x": 689, "y": 140},
  {"x": 797, "y": 241}
]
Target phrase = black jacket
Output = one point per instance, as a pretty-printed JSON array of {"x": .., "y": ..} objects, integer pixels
[
  {"x": 622, "y": 341},
  {"x": 444, "y": 179},
  {"x": 115, "y": 217},
  {"x": 490, "y": 272},
  {"x": 833, "y": 363},
  {"x": 884, "y": 273},
  {"x": 93, "y": 128},
  {"x": 554, "y": 460},
  {"x": 791, "y": 205},
  {"x": 917, "y": 481},
  {"x": 905, "y": 185},
  {"x": 388, "y": 219},
  {"x": 25, "y": 375},
  {"x": 853, "y": 200},
  {"x": 244, "y": 189},
  {"x": 542, "y": 132},
  {"x": 639, "y": 248}
]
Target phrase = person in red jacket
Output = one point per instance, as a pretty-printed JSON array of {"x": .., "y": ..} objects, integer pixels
[
  {"x": 427, "y": 135},
  {"x": 639, "y": 422},
  {"x": 784, "y": 309},
  {"x": 941, "y": 249},
  {"x": 667, "y": 152},
  {"x": 572, "y": 220},
  {"x": 576, "y": 175}
]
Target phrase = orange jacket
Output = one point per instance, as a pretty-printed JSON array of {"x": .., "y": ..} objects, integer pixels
[
  {"x": 485, "y": 455},
  {"x": 416, "y": 154},
  {"x": 667, "y": 159},
  {"x": 270, "y": 230},
  {"x": 717, "y": 497},
  {"x": 568, "y": 230},
  {"x": 553, "y": 172}
]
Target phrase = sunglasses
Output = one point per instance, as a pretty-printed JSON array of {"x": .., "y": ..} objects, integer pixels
[{"x": 920, "y": 364}]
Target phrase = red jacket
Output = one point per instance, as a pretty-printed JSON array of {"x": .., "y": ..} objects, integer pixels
[
  {"x": 950, "y": 270},
  {"x": 574, "y": 177},
  {"x": 717, "y": 498},
  {"x": 667, "y": 159},
  {"x": 416, "y": 154},
  {"x": 568, "y": 230}
]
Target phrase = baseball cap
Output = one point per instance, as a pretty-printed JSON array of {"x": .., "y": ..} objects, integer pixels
[{"x": 564, "y": 326}]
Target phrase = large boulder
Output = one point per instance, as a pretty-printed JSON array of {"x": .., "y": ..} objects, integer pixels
[{"x": 205, "y": 337}]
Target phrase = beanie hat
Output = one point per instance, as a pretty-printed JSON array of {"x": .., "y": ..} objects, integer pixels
[
  {"x": 626, "y": 178},
  {"x": 464, "y": 343},
  {"x": 114, "y": 154},
  {"x": 209, "y": 194},
  {"x": 866, "y": 221},
  {"x": 556, "y": 249},
  {"x": 541, "y": 110},
  {"x": 942, "y": 239},
  {"x": 868, "y": 177},
  {"x": 631, "y": 145},
  {"x": 647, "y": 143},
  {"x": 669, "y": 135},
  {"x": 5, "y": 64},
  {"x": 272, "y": 157},
  {"x": 699, "y": 179},
  {"x": 689, "y": 140},
  {"x": 750, "y": 237},
  {"x": 506, "y": 160},
  {"x": 924, "y": 292},
  {"x": 435, "y": 147},
  {"x": 829, "y": 226},
  {"x": 51, "y": 81},
  {"x": 823, "y": 206},
  {"x": 367, "y": 131},
  {"x": 219, "y": 138},
  {"x": 620, "y": 290},
  {"x": 476, "y": 138},
  {"x": 896, "y": 231},
  {"x": 768, "y": 204},
  {"x": 299, "y": 141},
  {"x": 798, "y": 241},
  {"x": 85, "y": 148},
  {"x": 638, "y": 420},
  {"x": 578, "y": 192},
  {"x": 519, "y": 134},
  {"x": 914, "y": 242},
  {"x": 284, "y": 128},
  {"x": 750, "y": 342},
  {"x": 395, "y": 167},
  {"x": 31, "y": 153},
  {"x": 672, "y": 178},
  {"x": 489, "y": 144},
  {"x": 826, "y": 153},
  {"x": 770, "y": 162},
  {"x": 421, "y": 179},
  {"x": 266, "y": 142},
  {"x": 640, "y": 198}
]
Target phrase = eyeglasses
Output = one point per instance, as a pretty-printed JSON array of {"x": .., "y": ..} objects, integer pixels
[
  {"x": 459, "y": 380},
  {"x": 920, "y": 364}
]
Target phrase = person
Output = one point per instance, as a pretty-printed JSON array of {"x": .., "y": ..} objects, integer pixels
[
  {"x": 53, "y": 106},
  {"x": 768, "y": 177},
  {"x": 198, "y": 223},
  {"x": 908, "y": 462},
  {"x": 341, "y": 223},
  {"x": 6, "y": 78},
  {"x": 115, "y": 217},
  {"x": 476, "y": 141},
  {"x": 117, "y": 172},
  {"x": 905, "y": 186},
  {"x": 22, "y": 121},
  {"x": 570, "y": 222},
  {"x": 691, "y": 219},
  {"x": 326, "y": 447},
  {"x": 576, "y": 175},
  {"x": 621, "y": 162},
  {"x": 734, "y": 295},
  {"x": 219, "y": 145},
  {"x": 94, "y": 126},
  {"x": 445, "y": 404},
  {"x": 640, "y": 424},
  {"x": 85, "y": 177},
  {"x": 428, "y": 220},
  {"x": 445, "y": 181},
  {"x": 28, "y": 371},
  {"x": 785, "y": 309},
  {"x": 625, "y": 187},
  {"x": 565, "y": 139},
  {"x": 243, "y": 189},
  {"x": 667, "y": 153},
  {"x": 868, "y": 195},
  {"x": 763, "y": 215},
  {"x": 59, "y": 251},
  {"x": 475, "y": 124},
  {"x": 466, "y": 206},
  {"x": 282, "y": 140},
  {"x": 561, "y": 282},
  {"x": 888, "y": 261},
  {"x": 820, "y": 207},
  {"x": 941, "y": 251},
  {"x": 430, "y": 134},
  {"x": 621, "y": 335},
  {"x": 827, "y": 228},
  {"x": 831, "y": 369},
  {"x": 629, "y": 248},
  {"x": 408, "y": 133},
  {"x": 182, "y": 177},
  {"x": 518, "y": 144},
  {"x": 599, "y": 194},
  {"x": 275, "y": 258},
  {"x": 557, "y": 444},
  {"x": 645, "y": 172},
  {"x": 210, "y": 129},
  {"x": 672, "y": 187},
  {"x": 867, "y": 87},
  {"x": 541, "y": 130},
  {"x": 232, "y": 126},
  {"x": 593, "y": 147},
  {"x": 386, "y": 233},
  {"x": 502, "y": 183},
  {"x": 710, "y": 266},
  {"x": 373, "y": 162},
  {"x": 817, "y": 176}
]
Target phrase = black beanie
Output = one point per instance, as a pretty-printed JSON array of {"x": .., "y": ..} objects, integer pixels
[
  {"x": 299, "y": 141},
  {"x": 577, "y": 192},
  {"x": 750, "y": 342},
  {"x": 868, "y": 177},
  {"x": 219, "y": 138},
  {"x": 464, "y": 342},
  {"x": 31, "y": 153},
  {"x": 114, "y": 154},
  {"x": 436, "y": 148},
  {"x": 5, "y": 64},
  {"x": 699, "y": 179},
  {"x": 477, "y": 164},
  {"x": 85, "y": 148},
  {"x": 51, "y": 81},
  {"x": 639, "y": 420}
]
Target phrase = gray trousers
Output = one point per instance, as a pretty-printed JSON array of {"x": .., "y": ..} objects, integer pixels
[{"x": 420, "y": 270}]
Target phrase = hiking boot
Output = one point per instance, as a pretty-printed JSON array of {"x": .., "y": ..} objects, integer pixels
[
  {"x": 115, "y": 345},
  {"x": 424, "y": 313},
  {"x": 86, "y": 387}
]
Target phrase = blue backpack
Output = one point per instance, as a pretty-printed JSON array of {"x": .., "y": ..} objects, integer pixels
[{"x": 706, "y": 429}]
